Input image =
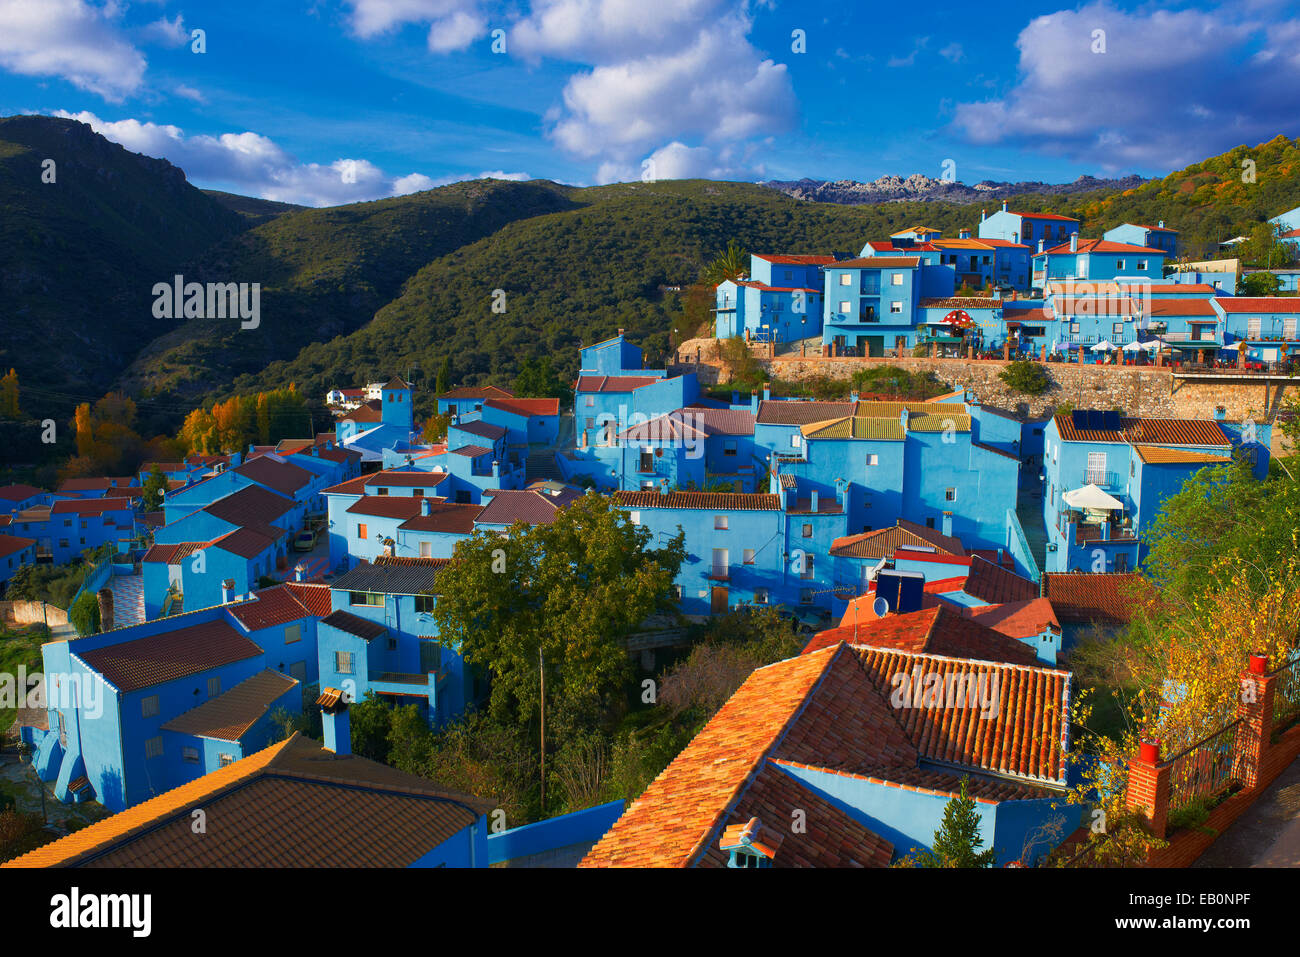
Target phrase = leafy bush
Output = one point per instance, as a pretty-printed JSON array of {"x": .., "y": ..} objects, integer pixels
[
  {"x": 1028, "y": 378},
  {"x": 84, "y": 614}
]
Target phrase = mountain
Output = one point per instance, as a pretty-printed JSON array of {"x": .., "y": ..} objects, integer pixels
[
  {"x": 919, "y": 188},
  {"x": 258, "y": 211},
  {"x": 79, "y": 255}
]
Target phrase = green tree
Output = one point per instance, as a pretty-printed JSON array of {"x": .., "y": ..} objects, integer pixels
[
  {"x": 1029, "y": 378},
  {"x": 9, "y": 396},
  {"x": 1258, "y": 284},
  {"x": 558, "y": 597},
  {"x": 732, "y": 264},
  {"x": 154, "y": 487},
  {"x": 538, "y": 379},
  {"x": 1266, "y": 248},
  {"x": 957, "y": 843},
  {"x": 84, "y": 614},
  {"x": 443, "y": 382}
]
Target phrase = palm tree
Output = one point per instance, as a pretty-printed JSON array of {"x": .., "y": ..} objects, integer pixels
[{"x": 733, "y": 264}]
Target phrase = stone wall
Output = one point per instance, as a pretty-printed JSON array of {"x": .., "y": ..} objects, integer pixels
[{"x": 32, "y": 613}]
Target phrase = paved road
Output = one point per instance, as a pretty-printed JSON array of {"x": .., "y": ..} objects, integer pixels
[{"x": 1267, "y": 835}]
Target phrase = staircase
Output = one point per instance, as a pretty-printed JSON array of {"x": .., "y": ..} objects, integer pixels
[
  {"x": 541, "y": 467},
  {"x": 128, "y": 599},
  {"x": 1029, "y": 510}
]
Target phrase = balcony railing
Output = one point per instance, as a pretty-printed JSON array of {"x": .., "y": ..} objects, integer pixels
[
  {"x": 1203, "y": 770},
  {"x": 1100, "y": 477},
  {"x": 1286, "y": 695}
]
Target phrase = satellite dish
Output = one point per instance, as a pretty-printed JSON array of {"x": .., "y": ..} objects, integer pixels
[{"x": 881, "y": 607}]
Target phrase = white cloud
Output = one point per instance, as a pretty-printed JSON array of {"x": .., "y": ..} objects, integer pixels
[
  {"x": 953, "y": 53},
  {"x": 167, "y": 32},
  {"x": 189, "y": 93},
  {"x": 453, "y": 24},
  {"x": 1170, "y": 87},
  {"x": 72, "y": 39},
  {"x": 604, "y": 31},
  {"x": 416, "y": 182},
  {"x": 456, "y": 32},
  {"x": 255, "y": 165}
]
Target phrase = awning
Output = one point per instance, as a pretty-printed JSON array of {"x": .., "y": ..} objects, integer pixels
[
  {"x": 1104, "y": 346},
  {"x": 1091, "y": 496}
]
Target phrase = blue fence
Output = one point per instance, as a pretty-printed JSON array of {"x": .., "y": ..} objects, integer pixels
[{"x": 580, "y": 827}]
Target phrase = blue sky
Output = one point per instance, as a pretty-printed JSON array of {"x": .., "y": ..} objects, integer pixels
[{"x": 340, "y": 100}]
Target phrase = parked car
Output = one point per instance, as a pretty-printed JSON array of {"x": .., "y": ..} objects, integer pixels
[{"x": 304, "y": 541}]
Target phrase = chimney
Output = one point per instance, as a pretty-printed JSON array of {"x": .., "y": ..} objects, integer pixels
[
  {"x": 663, "y": 486},
  {"x": 426, "y": 507},
  {"x": 620, "y": 332},
  {"x": 812, "y": 501},
  {"x": 251, "y": 448},
  {"x": 1161, "y": 224},
  {"x": 767, "y": 391},
  {"x": 227, "y": 591},
  {"x": 735, "y": 397},
  {"x": 963, "y": 234},
  {"x": 753, "y": 402},
  {"x": 1220, "y": 413},
  {"x": 841, "y": 485},
  {"x": 1040, "y": 246},
  {"x": 902, "y": 418},
  {"x": 299, "y": 573},
  {"x": 236, "y": 459},
  {"x": 1074, "y": 242},
  {"x": 105, "y": 596},
  {"x": 947, "y": 524},
  {"x": 984, "y": 214},
  {"x": 496, "y": 471},
  {"x": 1004, "y": 206},
  {"x": 853, "y": 396},
  {"x": 335, "y": 725}
]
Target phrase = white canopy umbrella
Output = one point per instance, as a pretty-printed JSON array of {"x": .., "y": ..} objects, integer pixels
[
  {"x": 1091, "y": 496},
  {"x": 1138, "y": 346},
  {"x": 1104, "y": 346}
]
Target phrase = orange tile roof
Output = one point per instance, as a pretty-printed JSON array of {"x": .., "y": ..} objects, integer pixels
[
  {"x": 1107, "y": 598},
  {"x": 179, "y": 653},
  {"x": 717, "y": 501},
  {"x": 526, "y": 407},
  {"x": 1155, "y": 455},
  {"x": 995, "y": 584},
  {"x": 939, "y": 630},
  {"x": 877, "y": 262},
  {"x": 795, "y": 260},
  {"x": 280, "y": 605},
  {"x": 883, "y": 542},
  {"x": 292, "y": 804},
  {"x": 478, "y": 392},
  {"x": 1260, "y": 304},
  {"x": 1148, "y": 431},
  {"x": 1180, "y": 307},
  {"x": 1100, "y": 246},
  {"x": 229, "y": 715},
  {"x": 1017, "y": 619}
]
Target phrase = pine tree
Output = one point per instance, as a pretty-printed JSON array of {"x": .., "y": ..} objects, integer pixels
[
  {"x": 957, "y": 842},
  {"x": 9, "y": 396},
  {"x": 443, "y": 381}
]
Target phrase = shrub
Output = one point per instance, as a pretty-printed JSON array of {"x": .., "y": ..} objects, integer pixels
[
  {"x": 84, "y": 614},
  {"x": 1028, "y": 378}
]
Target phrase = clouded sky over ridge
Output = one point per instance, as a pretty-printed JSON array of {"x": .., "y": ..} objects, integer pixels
[{"x": 340, "y": 100}]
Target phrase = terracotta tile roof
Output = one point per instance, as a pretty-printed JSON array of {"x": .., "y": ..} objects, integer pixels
[
  {"x": 230, "y": 714},
  {"x": 1052, "y": 216},
  {"x": 530, "y": 506},
  {"x": 714, "y": 501},
  {"x": 721, "y": 421},
  {"x": 962, "y": 302},
  {"x": 251, "y": 506},
  {"x": 1154, "y": 455},
  {"x": 1004, "y": 243},
  {"x": 995, "y": 584},
  {"x": 9, "y": 544},
  {"x": 170, "y": 655},
  {"x": 172, "y": 554},
  {"x": 1258, "y": 304},
  {"x": 1181, "y": 307},
  {"x": 613, "y": 383},
  {"x": 478, "y": 392},
  {"x": 90, "y": 506},
  {"x": 352, "y": 624},
  {"x": 315, "y": 598},
  {"x": 938, "y": 631},
  {"x": 393, "y": 576},
  {"x": 16, "y": 493},
  {"x": 764, "y": 287},
  {"x": 444, "y": 517},
  {"x": 1111, "y": 598},
  {"x": 246, "y": 542},
  {"x": 471, "y": 451},
  {"x": 878, "y": 262},
  {"x": 985, "y": 789},
  {"x": 878, "y": 409},
  {"x": 292, "y": 804},
  {"x": 1148, "y": 431},
  {"x": 408, "y": 479},
  {"x": 386, "y": 506},
  {"x": 529, "y": 408},
  {"x": 484, "y": 430},
  {"x": 939, "y": 422},
  {"x": 364, "y": 414},
  {"x": 275, "y": 474},
  {"x": 1101, "y": 246},
  {"x": 356, "y": 486},
  {"x": 799, "y": 412},
  {"x": 95, "y": 484},
  {"x": 1017, "y": 619},
  {"x": 1094, "y": 306},
  {"x": 1026, "y": 737},
  {"x": 282, "y": 604},
  {"x": 664, "y": 428},
  {"x": 883, "y": 541}
]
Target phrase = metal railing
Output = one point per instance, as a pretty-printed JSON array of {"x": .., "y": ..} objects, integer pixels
[
  {"x": 1204, "y": 769},
  {"x": 1286, "y": 695}
]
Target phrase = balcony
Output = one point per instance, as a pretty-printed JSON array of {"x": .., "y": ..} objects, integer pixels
[{"x": 1100, "y": 477}]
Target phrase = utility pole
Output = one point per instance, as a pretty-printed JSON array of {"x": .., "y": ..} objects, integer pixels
[{"x": 541, "y": 670}]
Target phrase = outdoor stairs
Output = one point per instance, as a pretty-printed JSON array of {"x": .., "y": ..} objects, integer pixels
[
  {"x": 542, "y": 467},
  {"x": 128, "y": 599},
  {"x": 1029, "y": 510}
]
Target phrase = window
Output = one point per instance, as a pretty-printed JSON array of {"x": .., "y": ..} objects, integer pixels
[
  {"x": 873, "y": 459},
  {"x": 846, "y": 279},
  {"x": 950, "y": 495},
  {"x": 153, "y": 747},
  {"x": 677, "y": 589},
  {"x": 343, "y": 662},
  {"x": 647, "y": 461},
  {"x": 748, "y": 556},
  {"x": 720, "y": 522},
  {"x": 361, "y": 530},
  {"x": 796, "y": 441},
  {"x": 1096, "y": 474},
  {"x": 846, "y": 306},
  {"x": 418, "y": 492},
  {"x": 424, "y": 604},
  {"x": 225, "y": 759},
  {"x": 214, "y": 687},
  {"x": 929, "y": 522},
  {"x": 807, "y": 566},
  {"x": 381, "y": 490},
  {"x": 1119, "y": 264},
  {"x": 721, "y": 563},
  {"x": 1117, "y": 328},
  {"x": 1074, "y": 327},
  {"x": 190, "y": 755},
  {"x": 806, "y": 596},
  {"x": 895, "y": 307},
  {"x": 392, "y": 643},
  {"x": 1142, "y": 265},
  {"x": 760, "y": 596},
  {"x": 1029, "y": 231},
  {"x": 729, "y": 447},
  {"x": 807, "y": 530},
  {"x": 634, "y": 518},
  {"x": 374, "y": 599},
  {"x": 591, "y": 401},
  {"x": 426, "y": 549},
  {"x": 896, "y": 279},
  {"x": 149, "y": 706},
  {"x": 788, "y": 274},
  {"x": 292, "y": 634}
]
